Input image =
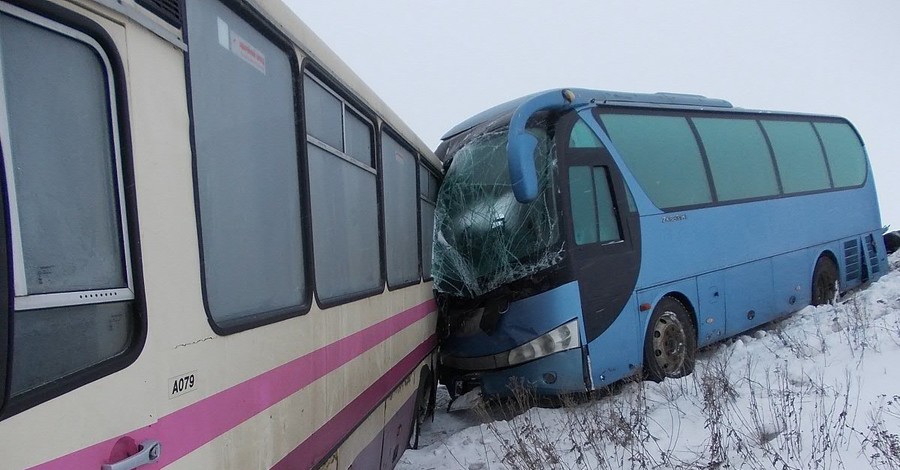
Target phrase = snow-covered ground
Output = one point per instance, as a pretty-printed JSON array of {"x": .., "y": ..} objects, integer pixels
[{"x": 816, "y": 390}]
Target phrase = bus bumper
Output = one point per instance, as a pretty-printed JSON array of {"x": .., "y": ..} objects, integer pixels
[{"x": 556, "y": 374}]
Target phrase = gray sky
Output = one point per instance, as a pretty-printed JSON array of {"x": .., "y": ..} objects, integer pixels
[{"x": 437, "y": 62}]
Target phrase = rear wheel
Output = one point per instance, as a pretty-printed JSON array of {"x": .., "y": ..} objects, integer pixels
[
  {"x": 424, "y": 407},
  {"x": 824, "y": 281},
  {"x": 671, "y": 342}
]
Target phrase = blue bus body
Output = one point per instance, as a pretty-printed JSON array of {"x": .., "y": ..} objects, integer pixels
[{"x": 733, "y": 265}]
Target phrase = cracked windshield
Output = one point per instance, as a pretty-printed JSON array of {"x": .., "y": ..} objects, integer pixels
[{"x": 485, "y": 238}]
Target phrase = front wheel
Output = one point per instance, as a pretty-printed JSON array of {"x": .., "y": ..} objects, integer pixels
[
  {"x": 671, "y": 342},
  {"x": 824, "y": 281}
]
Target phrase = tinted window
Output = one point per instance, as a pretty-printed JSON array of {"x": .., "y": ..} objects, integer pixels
[
  {"x": 400, "y": 219},
  {"x": 246, "y": 163},
  {"x": 584, "y": 214},
  {"x": 738, "y": 157},
  {"x": 62, "y": 162},
  {"x": 662, "y": 153},
  {"x": 583, "y": 137},
  {"x": 593, "y": 212},
  {"x": 799, "y": 156},
  {"x": 845, "y": 153}
]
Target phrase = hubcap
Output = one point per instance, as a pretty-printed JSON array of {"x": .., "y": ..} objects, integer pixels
[{"x": 669, "y": 343}]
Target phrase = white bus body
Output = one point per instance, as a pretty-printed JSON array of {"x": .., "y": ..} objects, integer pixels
[{"x": 145, "y": 320}]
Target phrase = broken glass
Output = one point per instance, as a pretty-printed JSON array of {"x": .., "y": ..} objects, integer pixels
[{"x": 485, "y": 238}]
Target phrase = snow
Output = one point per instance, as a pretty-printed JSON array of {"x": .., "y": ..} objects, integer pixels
[{"x": 815, "y": 390}]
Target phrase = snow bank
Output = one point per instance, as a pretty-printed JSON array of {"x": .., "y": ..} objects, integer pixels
[{"x": 816, "y": 390}]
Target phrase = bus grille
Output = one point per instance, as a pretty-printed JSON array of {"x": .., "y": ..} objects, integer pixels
[
  {"x": 873, "y": 253},
  {"x": 168, "y": 10},
  {"x": 851, "y": 260}
]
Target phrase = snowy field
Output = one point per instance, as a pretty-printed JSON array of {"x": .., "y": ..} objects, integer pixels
[{"x": 816, "y": 390}]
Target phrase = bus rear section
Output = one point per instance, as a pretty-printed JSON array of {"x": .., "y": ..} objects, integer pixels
[{"x": 649, "y": 224}]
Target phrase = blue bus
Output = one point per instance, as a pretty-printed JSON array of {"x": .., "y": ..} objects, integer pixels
[{"x": 582, "y": 237}]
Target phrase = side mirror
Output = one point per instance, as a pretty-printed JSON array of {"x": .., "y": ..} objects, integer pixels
[
  {"x": 521, "y": 145},
  {"x": 522, "y": 173}
]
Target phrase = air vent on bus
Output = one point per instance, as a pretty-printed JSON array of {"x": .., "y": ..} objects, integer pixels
[
  {"x": 168, "y": 10},
  {"x": 873, "y": 253},
  {"x": 851, "y": 259}
]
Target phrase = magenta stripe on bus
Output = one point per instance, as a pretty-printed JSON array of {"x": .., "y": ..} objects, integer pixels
[
  {"x": 317, "y": 446},
  {"x": 191, "y": 427}
]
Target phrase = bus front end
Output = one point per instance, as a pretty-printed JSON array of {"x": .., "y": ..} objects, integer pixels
[{"x": 508, "y": 314}]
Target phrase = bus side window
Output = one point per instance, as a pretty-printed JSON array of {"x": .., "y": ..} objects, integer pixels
[
  {"x": 428, "y": 189},
  {"x": 593, "y": 210},
  {"x": 583, "y": 137},
  {"x": 798, "y": 153},
  {"x": 844, "y": 152},
  {"x": 245, "y": 153},
  {"x": 74, "y": 304},
  {"x": 399, "y": 167},
  {"x": 343, "y": 193}
]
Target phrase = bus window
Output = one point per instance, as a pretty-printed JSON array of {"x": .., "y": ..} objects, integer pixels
[
  {"x": 593, "y": 213},
  {"x": 669, "y": 166},
  {"x": 247, "y": 171},
  {"x": 739, "y": 158},
  {"x": 400, "y": 194},
  {"x": 74, "y": 297},
  {"x": 799, "y": 156},
  {"x": 845, "y": 154},
  {"x": 344, "y": 198},
  {"x": 583, "y": 137},
  {"x": 428, "y": 189}
]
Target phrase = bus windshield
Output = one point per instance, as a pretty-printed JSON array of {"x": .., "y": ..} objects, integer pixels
[{"x": 484, "y": 237}]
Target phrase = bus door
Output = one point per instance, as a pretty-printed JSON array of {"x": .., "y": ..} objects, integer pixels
[{"x": 601, "y": 222}]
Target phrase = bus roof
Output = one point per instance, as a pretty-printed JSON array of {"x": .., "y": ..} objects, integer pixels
[{"x": 597, "y": 96}]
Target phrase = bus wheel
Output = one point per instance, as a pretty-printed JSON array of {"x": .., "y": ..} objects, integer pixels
[
  {"x": 825, "y": 277},
  {"x": 424, "y": 407},
  {"x": 671, "y": 343}
]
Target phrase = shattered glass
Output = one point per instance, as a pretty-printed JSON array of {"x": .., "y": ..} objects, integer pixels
[{"x": 484, "y": 237}]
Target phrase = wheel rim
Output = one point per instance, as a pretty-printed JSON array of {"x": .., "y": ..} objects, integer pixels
[{"x": 669, "y": 343}]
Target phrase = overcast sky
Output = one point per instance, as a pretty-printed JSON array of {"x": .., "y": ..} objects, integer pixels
[{"x": 437, "y": 63}]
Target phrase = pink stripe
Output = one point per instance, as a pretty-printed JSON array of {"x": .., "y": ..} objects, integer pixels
[
  {"x": 317, "y": 446},
  {"x": 189, "y": 428}
]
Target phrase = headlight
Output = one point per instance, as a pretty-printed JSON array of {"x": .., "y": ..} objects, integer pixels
[{"x": 560, "y": 339}]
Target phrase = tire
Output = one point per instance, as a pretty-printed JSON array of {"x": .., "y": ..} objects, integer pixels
[
  {"x": 424, "y": 407},
  {"x": 825, "y": 276},
  {"x": 670, "y": 344},
  {"x": 892, "y": 241}
]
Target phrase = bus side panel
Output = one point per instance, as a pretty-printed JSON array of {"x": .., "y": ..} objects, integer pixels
[
  {"x": 793, "y": 280},
  {"x": 708, "y": 239},
  {"x": 711, "y": 308},
  {"x": 618, "y": 352},
  {"x": 748, "y": 296}
]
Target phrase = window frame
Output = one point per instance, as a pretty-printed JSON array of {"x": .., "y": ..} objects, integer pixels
[
  {"x": 273, "y": 34},
  {"x": 387, "y": 131},
  {"x": 22, "y": 300},
  {"x": 309, "y": 68},
  {"x": 423, "y": 163},
  {"x": 753, "y": 122},
  {"x": 13, "y": 405}
]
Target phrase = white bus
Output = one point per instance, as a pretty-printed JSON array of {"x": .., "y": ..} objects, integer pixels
[{"x": 216, "y": 244}]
